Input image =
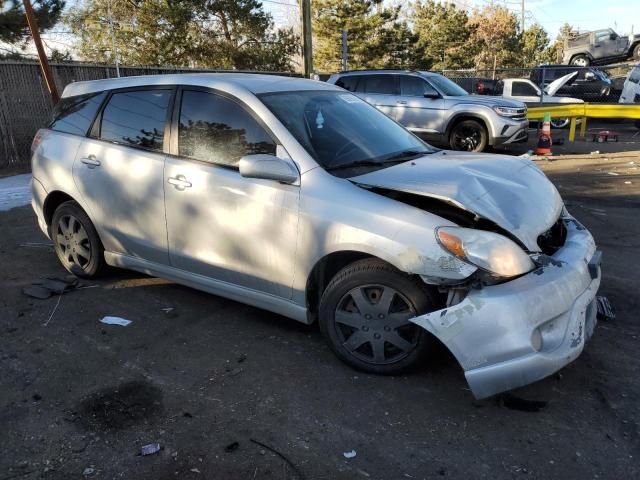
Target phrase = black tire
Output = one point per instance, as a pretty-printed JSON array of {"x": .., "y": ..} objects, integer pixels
[
  {"x": 581, "y": 61},
  {"x": 636, "y": 52},
  {"x": 76, "y": 241},
  {"x": 468, "y": 136},
  {"x": 401, "y": 346},
  {"x": 559, "y": 123}
]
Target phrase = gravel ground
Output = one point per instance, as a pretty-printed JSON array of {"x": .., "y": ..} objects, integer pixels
[{"x": 222, "y": 386}]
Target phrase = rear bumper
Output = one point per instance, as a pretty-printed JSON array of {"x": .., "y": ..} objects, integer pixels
[{"x": 509, "y": 335}]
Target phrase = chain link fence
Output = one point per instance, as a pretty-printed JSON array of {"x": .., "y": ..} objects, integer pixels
[
  {"x": 25, "y": 104},
  {"x": 595, "y": 84}
]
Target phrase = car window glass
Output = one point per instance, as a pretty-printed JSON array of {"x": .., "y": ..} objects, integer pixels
[
  {"x": 499, "y": 89},
  {"x": 136, "y": 118},
  {"x": 218, "y": 130},
  {"x": 348, "y": 83},
  {"x": 602, "y": 35},
  {"x": 75, "y": 114},
  {"x": 523, "y": 89},
  {"x": 414, "y": 86},
  {"x": 377, "y": 84}
]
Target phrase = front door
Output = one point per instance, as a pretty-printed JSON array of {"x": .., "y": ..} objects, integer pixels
[
  {"x": 119, "y": 172},
  {"x": 422, "y": 115},
  {"x": 221, "y": 225}
]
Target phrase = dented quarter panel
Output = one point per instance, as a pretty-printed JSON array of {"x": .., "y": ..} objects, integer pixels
[
  {"x": 511, "y": 192},
  {"x": 490, "y": 331}
]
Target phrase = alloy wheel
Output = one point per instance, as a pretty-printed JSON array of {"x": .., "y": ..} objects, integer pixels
[
  {"x": 372, "y": 324},
  {"x": 72, "y": 242},
  {"x": 466, "y": 138}
]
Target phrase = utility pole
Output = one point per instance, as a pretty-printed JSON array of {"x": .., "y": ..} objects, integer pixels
[
  {"x": 307, "y": 54},
  {"x": 345, "y": 50},
  {"x": 42, "y": 56},
  {"x": 522, "y": 17},
  {"x": 114, "y": 51}
]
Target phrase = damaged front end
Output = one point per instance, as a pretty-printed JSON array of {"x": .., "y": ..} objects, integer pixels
[{"x": 528, "y": 306}]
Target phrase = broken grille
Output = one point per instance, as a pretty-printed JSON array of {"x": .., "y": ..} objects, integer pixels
[{"x": 554, "y": 238}]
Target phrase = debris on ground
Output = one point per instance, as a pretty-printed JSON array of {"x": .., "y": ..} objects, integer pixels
[
  {"x": 52, "y": 285},
  {"x": 87, "y": 472},
  {"x": 349, "y": 454},
  {"x": 123, "y": 322},
  {"x": 613, "y": 173},
  {"x": 605, "y": 309},
  {"x": 232, "y": 447},
  {"x": 150, "y": 449},
  {"x": 512, "y": 402},
  {"x": 282, "y": 456}
]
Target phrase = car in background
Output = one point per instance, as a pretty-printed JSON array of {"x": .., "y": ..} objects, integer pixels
[
  {"x": 600, "y": 46},
  {"x": 590, "y": 85},
  {"x": 528, "y": 92},
  {"x": 437, "y": 109},
  {"x": 631, "y": 88}
]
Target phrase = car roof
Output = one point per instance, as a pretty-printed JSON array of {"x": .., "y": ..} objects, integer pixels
[
  {"x": 386, "y": 71},
  {"x": 230, "y": 82}
]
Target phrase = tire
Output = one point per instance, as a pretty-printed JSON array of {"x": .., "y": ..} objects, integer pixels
[
  {"x": 349, "y": 317},
  {"x": 559, "y": 123},
  {"x": 636, "y": 52},
  {"x": 469, "y": 136},
  {"x": 76, "y": 241},
  {"x": 581, "y": 61}
]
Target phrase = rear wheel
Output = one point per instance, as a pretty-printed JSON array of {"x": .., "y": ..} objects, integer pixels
[
  {"x": 76, "y": 241},
  {"x": 636, "y": 52},
  {"x": 365, "y": 312},
  {"x": 559, "y": 122},
  {"x": 468, "y": 136},
  {"x": 581, "y": 61}
]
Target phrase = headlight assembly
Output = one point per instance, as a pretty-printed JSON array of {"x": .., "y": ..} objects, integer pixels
[
  {"x": 489, "y": 251},
  {"x": 508, "y": 111}
]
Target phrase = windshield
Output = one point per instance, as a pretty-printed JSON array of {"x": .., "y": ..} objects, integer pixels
[
  {"x": 446, "y": 86},
  {"x": 342, "y": 132}
]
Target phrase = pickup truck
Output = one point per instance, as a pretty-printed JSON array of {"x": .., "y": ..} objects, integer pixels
[
  {"x": 600, "y": 46},
  {"x": 526, "y": 91}
]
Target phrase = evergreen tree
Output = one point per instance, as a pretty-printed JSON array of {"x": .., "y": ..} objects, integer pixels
[
  {"x": 13, "y": 23},
  {"x": 535, "y": 43}
]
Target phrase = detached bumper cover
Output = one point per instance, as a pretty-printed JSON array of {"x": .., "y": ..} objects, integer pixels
[{"x": 509, "y": 335}]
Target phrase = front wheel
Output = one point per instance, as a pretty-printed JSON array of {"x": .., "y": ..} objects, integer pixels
[
  {"x": 559, "y": 122},
  {"x": 636, "y": 52},
  {"x": 468, "y": 136},
  {"x": 365, "y": 312},
  {"x": 76, "y": 241}
]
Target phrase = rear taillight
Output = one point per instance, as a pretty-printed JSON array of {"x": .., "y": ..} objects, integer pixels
[{"x": 37, "y": 140}]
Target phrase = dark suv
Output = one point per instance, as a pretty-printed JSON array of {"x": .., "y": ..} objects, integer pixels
[{"x": 591, "y": 84}]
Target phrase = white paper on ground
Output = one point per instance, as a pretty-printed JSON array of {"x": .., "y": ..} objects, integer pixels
[{"x": 115, "y": 321}]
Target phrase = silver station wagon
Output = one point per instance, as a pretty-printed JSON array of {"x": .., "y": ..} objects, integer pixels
[{"x": 300, "y": 198}]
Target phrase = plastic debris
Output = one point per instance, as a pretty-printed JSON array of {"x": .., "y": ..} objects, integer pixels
[
  {"x": 613, "y": 173},
  {"x": 150, "y": 449},
  {"x": 87, "y": 472},
  {"x": 123, "y": 322},
  {"x": 628, "y": 182},
  {"x": 36, "y": 291},
  {"x": 350, "y": 454},
  {"x": 605, "y": 309}
]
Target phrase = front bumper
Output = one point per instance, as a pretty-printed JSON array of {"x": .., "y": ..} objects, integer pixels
[
  {"x": 511, "y": 132},
  {"x": 509, "y": 335}
]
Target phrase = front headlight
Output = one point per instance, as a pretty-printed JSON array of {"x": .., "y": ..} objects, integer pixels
[
  {"x": 487, "y": 250},
  {"x": 508, "y": 111}
]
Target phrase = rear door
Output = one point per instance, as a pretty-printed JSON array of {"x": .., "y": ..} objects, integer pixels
[
  {"x": 422, "y": 115},
  {"x": 381, "y": 91},
  {"x": 119, "y": 172}
]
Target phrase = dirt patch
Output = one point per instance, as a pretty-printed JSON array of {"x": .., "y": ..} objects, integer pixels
[{"x": 120, "y": 407}]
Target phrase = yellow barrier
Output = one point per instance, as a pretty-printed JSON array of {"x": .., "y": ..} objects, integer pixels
[{"x": 584, "y": 111}]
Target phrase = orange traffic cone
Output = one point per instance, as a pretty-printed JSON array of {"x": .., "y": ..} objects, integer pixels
[{"x": 544, "y": 139}]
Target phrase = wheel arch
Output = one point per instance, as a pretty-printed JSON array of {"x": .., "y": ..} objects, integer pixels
[
  {"x": 53, "y": 201},
  {"x": 462, "y": 116},
  {"x": 580, "y": 54}
]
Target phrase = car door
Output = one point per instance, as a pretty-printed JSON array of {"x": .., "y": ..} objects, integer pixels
[
  {"x": 119, "y": 171},
  {"x": 421, "y": 114},
  {"x": 603, "y": 45},
  {"x": 221, "y": 225},
  {"x": 381, "y": 91}
]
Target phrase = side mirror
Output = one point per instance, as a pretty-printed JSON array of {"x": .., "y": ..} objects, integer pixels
[
  {"x": 613, "y": 36},
  {"x": 431, "y": 95},
  {"x": 268, "y": 167},
  {"x": 590, "y": 76}
]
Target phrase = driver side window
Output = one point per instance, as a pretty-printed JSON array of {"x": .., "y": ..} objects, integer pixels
[
  {"x": 414, "y": 86},
  {"x": 216, "y": 129}
]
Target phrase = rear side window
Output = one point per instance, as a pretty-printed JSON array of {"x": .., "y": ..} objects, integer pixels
[
  {"x": 215, "y": 129},
  {"x": 349, "y": 82},
  {"x": 136, "y": 118},
  {"x": 377, "y": 84},
  {"x": 75, "y": 114}
]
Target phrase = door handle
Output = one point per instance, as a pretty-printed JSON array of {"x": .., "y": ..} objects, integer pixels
[
  {"x": 91, "y": 161},
  {"x": 401, "y": 102},
  {"x": 180, "y": 182}
]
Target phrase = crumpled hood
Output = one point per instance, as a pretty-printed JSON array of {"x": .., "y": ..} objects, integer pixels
[{"x": 510, "y": 191}]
